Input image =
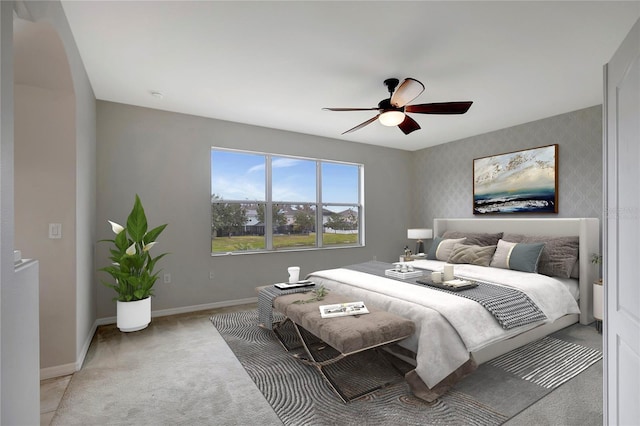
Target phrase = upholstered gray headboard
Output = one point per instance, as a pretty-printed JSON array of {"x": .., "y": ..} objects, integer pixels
[{"x": 586, "y": 229}]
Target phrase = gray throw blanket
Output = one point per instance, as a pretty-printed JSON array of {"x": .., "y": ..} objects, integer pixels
[
  {"x": 511, "y": 307},
  {"x": 265, "y": 302}
]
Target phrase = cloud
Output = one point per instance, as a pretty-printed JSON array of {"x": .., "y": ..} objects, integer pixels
[
  {"x": 278, "y": 163},
  {"x": 281, "y": 163}
]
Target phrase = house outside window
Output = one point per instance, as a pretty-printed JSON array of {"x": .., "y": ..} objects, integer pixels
[{"x": 266, "y": 202}]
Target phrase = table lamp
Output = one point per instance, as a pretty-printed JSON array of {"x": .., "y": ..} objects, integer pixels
[{"x": 419, "y": 234}]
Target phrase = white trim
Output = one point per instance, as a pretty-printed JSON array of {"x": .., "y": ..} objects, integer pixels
[
  {"x": 186, "y": 309},
  {"x": 204, "y": 307},
  {"x": 57, "y": 371},
  {"x": 85, "y": 348}
]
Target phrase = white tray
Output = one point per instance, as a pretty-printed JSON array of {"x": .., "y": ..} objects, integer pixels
[{"x": 402, "y": 275}]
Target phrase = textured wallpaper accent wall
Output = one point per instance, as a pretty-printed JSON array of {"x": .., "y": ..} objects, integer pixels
[{"x": 443, "y": 175}]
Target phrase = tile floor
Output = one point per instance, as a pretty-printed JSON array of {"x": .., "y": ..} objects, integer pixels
[{"x": 51, "y": 391}]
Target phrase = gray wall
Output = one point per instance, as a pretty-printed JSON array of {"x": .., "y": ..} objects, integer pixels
[
  {"x": 443, "y": 174},
  {"x": 55, "y": 167},
  {"x": 165, "y": 158}
]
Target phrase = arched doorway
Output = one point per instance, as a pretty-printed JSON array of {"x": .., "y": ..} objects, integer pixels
[{"x": 45, "y": 180}]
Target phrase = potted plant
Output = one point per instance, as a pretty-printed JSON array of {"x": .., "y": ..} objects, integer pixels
[{"x": 132, "y": 269}]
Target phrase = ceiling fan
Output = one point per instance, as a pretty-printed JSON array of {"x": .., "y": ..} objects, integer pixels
[{"x": 392, "y": 111}]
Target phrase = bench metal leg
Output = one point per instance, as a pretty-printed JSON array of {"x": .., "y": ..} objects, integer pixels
[{"x": 319, "y": 365}]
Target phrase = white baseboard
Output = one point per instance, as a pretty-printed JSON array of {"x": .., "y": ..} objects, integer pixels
[
  {"x": 66, "y": 369},
  {"x": 186, "y": 309},
  {"x": 204, "y": 307},
  {"x": 85, "y": 347},
  {"x": 57, "y": 371}
]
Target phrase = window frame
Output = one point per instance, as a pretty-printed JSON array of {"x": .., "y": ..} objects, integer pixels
[{"x": 269, "y": 203}]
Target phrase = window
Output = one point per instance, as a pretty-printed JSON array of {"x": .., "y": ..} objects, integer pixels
[{"x": 265, "y": 202}]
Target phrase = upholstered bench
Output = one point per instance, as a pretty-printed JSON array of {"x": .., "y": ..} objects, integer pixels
[{"x": 348, "y": 335}]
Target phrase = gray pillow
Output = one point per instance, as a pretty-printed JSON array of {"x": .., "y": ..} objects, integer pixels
[
  {"x": 475, "y": 238},
  {"x": 441, "y": 248},
  {"x": 517, "y": 256},
  {"x": 474, "y": 255},
  {"x": 558, "y": 257}
]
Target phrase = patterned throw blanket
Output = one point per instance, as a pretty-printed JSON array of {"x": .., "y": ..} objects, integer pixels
[
  {"x": 510, "y": 307},
  {"x": 265, "y": 303}
]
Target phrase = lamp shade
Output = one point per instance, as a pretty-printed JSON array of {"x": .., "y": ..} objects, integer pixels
[
  {"x": 391, "y": 118},
  {"x": 419, "y": 233}
]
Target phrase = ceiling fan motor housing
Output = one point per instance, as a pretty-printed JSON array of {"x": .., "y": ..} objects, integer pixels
[
  {"x": 385, "y": 105},
  {"x": 391, "y": 84}
]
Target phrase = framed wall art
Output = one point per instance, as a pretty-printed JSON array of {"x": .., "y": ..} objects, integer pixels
[{"x": 517, "y": 182}]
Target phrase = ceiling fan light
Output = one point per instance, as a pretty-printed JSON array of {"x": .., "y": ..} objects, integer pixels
[{"x": 391, "y": 118}]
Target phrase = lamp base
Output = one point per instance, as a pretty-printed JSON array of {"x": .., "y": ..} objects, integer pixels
[{"x": 419, "y": 247}]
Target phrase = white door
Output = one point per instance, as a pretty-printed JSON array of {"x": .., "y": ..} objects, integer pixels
[{"x": 622, "y": 234}]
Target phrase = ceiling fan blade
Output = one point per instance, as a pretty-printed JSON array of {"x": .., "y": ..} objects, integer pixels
[
  {"x": 349, "y": 109},
  {"x": 440, "y": 108},
  {"x": 409, "y": 89},
  {"x": 408, "y": 125},
  {"x": 361, "y": 125}
]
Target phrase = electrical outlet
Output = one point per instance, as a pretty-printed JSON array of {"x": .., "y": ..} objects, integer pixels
[
  {"x": 167, "y": 278},
  {"x": 211, "y": 275}
]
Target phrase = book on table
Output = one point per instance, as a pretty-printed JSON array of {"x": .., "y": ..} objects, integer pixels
[
  {"x": 303, "y": 283},
  {"x": 343, "y": 309}
]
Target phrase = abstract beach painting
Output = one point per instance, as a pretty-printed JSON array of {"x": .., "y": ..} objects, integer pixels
[{"x": 517, "y": 182}]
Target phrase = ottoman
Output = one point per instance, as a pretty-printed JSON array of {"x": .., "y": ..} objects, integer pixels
[{"x": 348, "y": 335}]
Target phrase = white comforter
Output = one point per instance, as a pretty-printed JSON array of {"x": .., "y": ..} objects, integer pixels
[{"x": 448, "y": 327}]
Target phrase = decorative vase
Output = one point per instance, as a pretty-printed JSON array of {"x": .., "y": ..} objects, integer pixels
[{"x": 133, "y": 316}]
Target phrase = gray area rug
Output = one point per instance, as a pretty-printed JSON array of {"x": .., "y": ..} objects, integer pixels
[{"x": 495, "y": 392}]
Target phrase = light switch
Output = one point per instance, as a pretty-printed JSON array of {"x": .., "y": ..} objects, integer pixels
[{"x": 55, "y": 231}]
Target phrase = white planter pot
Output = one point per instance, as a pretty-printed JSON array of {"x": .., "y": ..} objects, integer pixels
[
  {"x": 133, "y": 316},
  {"x": 598, "y": 298}
]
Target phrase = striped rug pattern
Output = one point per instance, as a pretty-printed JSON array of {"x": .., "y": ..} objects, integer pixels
[
  {"x": 548, "y": 362},
  {"x": 300, "y": 396}
]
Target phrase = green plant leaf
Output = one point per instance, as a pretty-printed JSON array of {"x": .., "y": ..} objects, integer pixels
[
  {"x": 153, "y": 234},
  {"x": 121, "y": 242},
  {"x": 133, "y": 274},
  {"x": 152, "y": 261},
  {"x": 137, "y": 221}
]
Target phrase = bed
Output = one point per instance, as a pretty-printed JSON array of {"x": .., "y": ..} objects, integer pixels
[{"x": 454, "y": 334}]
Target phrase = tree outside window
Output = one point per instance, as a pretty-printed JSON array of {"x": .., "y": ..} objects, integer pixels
[{"x": 305, "y": 196}]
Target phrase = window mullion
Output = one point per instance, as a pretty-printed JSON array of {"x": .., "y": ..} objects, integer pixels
[
  {"x": 268, "y": 208},
  {"x": 334, "y": 192},
  {"x": 319, "y": 217}
]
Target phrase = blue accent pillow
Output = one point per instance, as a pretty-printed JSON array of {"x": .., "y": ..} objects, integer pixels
[
  {"x": 431, "y": 254},
  {"x": 517, "y": 256}
]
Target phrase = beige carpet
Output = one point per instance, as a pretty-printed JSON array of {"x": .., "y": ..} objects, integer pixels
[{"x": 178, "y": 371}]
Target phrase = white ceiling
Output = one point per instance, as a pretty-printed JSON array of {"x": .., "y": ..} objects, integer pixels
[{"x": 276, "y": 64}]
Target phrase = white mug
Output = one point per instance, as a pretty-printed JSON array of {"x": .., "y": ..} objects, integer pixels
[
  {"x": 448, "y": 272},
  {"x": 294, "y": 274},
  {"x": 436, "y": 277}
]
